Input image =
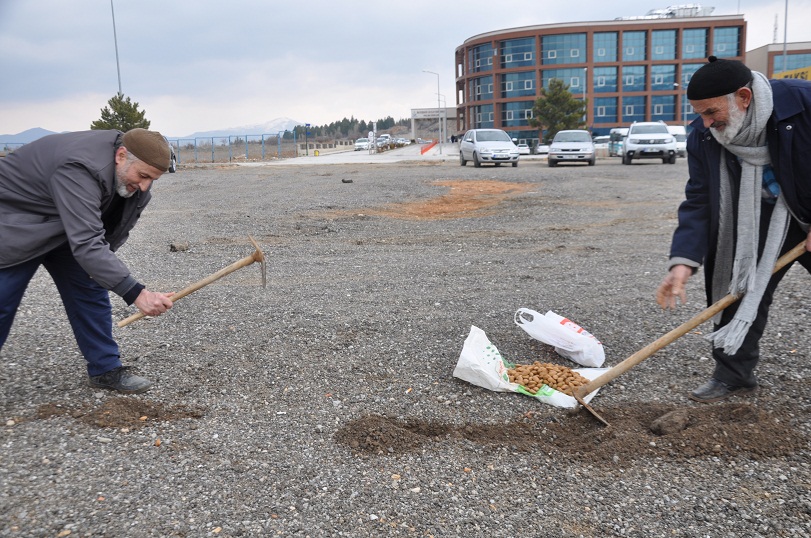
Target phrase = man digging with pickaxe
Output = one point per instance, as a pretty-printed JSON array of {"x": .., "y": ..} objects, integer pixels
[{"x": 68, "y": 202}]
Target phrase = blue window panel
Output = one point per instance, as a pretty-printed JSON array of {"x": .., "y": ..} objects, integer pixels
[
  {"x": 605, "y": 47},
  {"x": 633, "y": 109},
  {"x": 663, "y": 44},
  {"x": 633, "y": 46},
  {"x": 518, "y": 85},
  {"x": 604, "y": 80},
  {"x": 726, "y": 42},
  {"x": 563, "y": 49},
  {"x": 516, "y": 114},
  {"x": 605, "y": 110},
  {"x": 694, "y": 44},
  {"x": 574, "y": 78},
  {"x": 518, "y": 53},
  {"x": 483, "y": 117},
  {"x": 481, "y": 58},
  {"x": 663, "y": 77},
  {"x": 633, "y": 78},
  {"x": 663, "y": 107},
  {"x": 793, "y": 61},
  {"x": 481, "y": 88}
]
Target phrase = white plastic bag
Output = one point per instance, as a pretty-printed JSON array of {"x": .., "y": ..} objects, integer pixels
[
  {"x": 481, "y": 364},
  {"x": 570, "y": 339}
]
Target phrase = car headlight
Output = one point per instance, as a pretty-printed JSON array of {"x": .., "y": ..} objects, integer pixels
[{"x": 670, "y": 140}]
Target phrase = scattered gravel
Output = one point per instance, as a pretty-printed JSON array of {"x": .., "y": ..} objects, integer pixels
[{"x": 324, "y": 405}]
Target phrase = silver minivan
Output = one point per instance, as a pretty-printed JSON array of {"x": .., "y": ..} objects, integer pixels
[{"x": 570, "y": 147}]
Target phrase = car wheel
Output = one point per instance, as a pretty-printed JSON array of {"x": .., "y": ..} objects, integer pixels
[
  {"x": 476, "y": 162},
  {"x": 552, "y": 164},
  {"x": 672, "y": 159},
  {"x": 592, "y": 162},
  {"x": 462, "y": 160},
  {"x": 626, "y": 159},
  {"x": 515, "y": 164}
]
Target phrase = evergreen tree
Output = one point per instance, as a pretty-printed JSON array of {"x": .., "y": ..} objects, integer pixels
[
  {"x": 557, "y": 110},
  {"x": 122, "y": 114}
]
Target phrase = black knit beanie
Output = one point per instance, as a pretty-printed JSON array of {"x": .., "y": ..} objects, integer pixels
[
  {"x": 718, "y": 77},
  {"x": 148, "y": 146}
]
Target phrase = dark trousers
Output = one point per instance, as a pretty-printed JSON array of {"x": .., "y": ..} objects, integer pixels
[
  {"x": 738, "y": 369},
  {"x": 86, "y": 303}
]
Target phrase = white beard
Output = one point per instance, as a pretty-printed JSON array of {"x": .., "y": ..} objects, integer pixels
[
  {"x": 733, "y": 126},
  {"x": 120, "y": 184}
]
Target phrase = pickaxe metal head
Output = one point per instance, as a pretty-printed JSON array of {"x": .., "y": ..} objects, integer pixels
[{"x": 259, "y": 256}]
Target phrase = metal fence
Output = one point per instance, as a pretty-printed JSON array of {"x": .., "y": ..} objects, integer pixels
[{"x": 239, "y": 148}]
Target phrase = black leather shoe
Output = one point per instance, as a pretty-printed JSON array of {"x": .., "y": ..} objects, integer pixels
[
  {"x": 120, "y": 380},
  {"x": 715, "y": 391}
]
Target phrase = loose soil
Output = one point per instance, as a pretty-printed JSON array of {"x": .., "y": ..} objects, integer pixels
[{"x": 726, "y": 430}]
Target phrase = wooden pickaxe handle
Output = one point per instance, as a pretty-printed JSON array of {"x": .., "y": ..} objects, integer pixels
[
  {"x": 676, "y": 333},
  {"x": 257, "y": 256}
]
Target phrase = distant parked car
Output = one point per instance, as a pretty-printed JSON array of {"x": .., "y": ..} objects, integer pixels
[
  {"x": 487, "y": 146},
  {"x": 541, "y": 149},
  {"x": 649, "y": 140},
  {"x": 361, "y": 144},
  {"x": 572, "y": 146},
  {"x": 172, "y": 160},
  {"x": 523, "y": 149}
]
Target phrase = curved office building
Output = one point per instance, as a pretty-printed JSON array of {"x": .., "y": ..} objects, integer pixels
[{"x": 629, "y": 70}]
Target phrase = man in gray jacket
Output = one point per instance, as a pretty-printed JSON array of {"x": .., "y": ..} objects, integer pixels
[{"x": 68, "y": 202}]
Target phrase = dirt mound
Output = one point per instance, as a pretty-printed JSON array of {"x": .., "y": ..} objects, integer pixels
[
  {"x": 681, "y": 432},
  {"x": 121, "y": 413}
]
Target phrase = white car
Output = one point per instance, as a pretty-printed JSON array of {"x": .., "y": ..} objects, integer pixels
[
  {"x": 572, "y": 146},
  {"x": 487, "y": 146},
  {"x": 523, "y": 149},
  {"x": 649, "y": 140},
  {"x": 361, "y": 144}
]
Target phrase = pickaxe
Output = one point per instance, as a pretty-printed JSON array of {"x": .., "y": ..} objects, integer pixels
[{"x": 257, "y": 256}]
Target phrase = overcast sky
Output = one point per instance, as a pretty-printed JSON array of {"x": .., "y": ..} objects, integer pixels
[{"x": 198, "y": 65}]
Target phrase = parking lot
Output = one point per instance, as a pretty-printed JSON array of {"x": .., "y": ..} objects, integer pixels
[{"x": 325, "y": 405}]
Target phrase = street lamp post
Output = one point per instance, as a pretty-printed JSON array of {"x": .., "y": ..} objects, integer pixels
[
  {"x": 115, "y": 40},
  {"x": 439, "y": 119},
  {"x": 585, "y": 106},
  {"x": 683, "y": 103}
]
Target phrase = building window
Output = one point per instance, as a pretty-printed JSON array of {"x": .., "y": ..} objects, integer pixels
[
  {"x": 633, "y": 78},
  {"x": 517, "y": 52},
  {"x": 633, "y": 46},
  {"x": 694, "y": 44},
  {"x": 571, "y": 75},
  {"x": 481, "y": 58},
  {"x": 605, "y": 79},
  {"x": 664, "y": 44},
  {"x": 563, "y": 48},
  {"x": 605, "y": 110},
  {"x": 605, "y": 46},
  {"x": 663, "y": 77},
  {"x": 633, "y": 109},
  {"x": 793, "y": 61},
  {"x": 518, "y": 85},
  {"x": 726, "y": 42},
  {"x": 663, "y": 108}
]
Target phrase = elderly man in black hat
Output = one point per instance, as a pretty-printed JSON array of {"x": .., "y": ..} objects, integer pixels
[
  {"x": 748, "y": 200},
  {"x": 67, "y": 203}
]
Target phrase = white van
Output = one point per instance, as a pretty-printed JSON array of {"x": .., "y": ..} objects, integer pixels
[{"x": 679, "y": 132}]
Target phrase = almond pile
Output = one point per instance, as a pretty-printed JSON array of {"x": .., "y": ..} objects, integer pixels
[{"x": 533, "y": 376}]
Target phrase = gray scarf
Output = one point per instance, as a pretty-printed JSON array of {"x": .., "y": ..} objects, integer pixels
[{"x": 748, "y": 277}]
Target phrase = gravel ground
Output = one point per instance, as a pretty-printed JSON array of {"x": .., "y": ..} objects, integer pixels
[{"x": 324, "y": 405}]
